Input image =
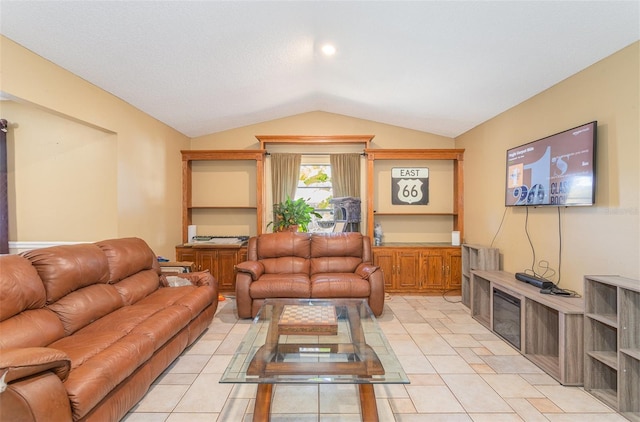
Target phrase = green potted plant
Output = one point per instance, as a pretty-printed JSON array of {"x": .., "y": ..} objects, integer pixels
[{"x": 292, "y": 215}]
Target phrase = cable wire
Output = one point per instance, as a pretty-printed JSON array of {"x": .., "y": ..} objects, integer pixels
[{"x": 499, "y": 227}]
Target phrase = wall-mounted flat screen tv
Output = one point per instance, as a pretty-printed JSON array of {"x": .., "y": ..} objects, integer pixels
[{"x": 558, "y": 170}]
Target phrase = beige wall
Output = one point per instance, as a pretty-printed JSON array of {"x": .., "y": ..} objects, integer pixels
[
  {"x": 322, "y": 123},
  {"x": 603, "y": 239},
  {"x": 146, "y": 181},
  {"x": 62, "y": 177},
  {"x": 386, "y": 136},
  {"x": 141, "y": 174}
]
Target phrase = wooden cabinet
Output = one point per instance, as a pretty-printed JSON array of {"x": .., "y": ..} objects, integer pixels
[
  {"x": 400, "y": 267},
  {"x": 612, "y": 342},
  {"x": 219, "y": 260},
  {"x": 418, "y": 269}
]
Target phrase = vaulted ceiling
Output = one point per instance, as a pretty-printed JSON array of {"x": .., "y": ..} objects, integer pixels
[{"x": 436, "y": 66}]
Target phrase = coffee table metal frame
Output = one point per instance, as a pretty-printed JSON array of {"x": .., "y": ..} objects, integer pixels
[{"x": 358, "y": 354}]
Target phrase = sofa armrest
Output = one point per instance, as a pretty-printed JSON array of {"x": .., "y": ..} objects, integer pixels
[
  {"x": 365, "y": 270},
  {"x": 376, "y": 297},
  {"x": 24, "y": 362},
  {"x": 199, "y": 278},
  {"x": 254, "y": 268}
]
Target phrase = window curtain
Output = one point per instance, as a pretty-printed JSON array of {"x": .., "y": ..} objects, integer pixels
[
  {"x": 285, "y": 171},
  {"x": 345, "y": 175}
]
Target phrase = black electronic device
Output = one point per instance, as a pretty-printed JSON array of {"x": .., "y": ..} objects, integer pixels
[
  {"x": 534, "y": 281},
  {"x": 553, "y": 290},
  {"x": 559, "y": 170}
]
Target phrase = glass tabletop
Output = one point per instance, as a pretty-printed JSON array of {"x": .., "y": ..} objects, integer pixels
[{"x": 315, "y": 341}]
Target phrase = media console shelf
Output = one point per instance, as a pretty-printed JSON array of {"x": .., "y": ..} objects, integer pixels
[
  {"x": 612, "y": 342},
  {"x": 475, "y": 257},
  {"x": 551, "y": 328}
]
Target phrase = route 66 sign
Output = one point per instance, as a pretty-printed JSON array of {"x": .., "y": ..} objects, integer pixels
[{"x": 410, "y": 186}]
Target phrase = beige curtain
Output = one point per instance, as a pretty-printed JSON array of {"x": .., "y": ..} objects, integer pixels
[
  {"x": 345, "y": 175},
  {"x": 285, "y": 171}
]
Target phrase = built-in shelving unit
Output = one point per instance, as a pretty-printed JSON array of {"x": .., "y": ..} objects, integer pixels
[
  {"x": 551, "y": 329},
  {"x": 475, "y": 257},
  {"x": 444, "y": 218},
  {"x": 423, "y": 260},
  {"x": 612, "y": 342},
  {"x": 202, "y": 205}
]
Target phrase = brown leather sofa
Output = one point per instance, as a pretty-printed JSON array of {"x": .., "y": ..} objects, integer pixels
[
  {"x": 303, "y": 265},
  {"x": 85, "y": 329}
]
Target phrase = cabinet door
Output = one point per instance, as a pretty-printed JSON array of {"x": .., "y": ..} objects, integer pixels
[
  {"x": 186, "y": 254},
  {"x": 383, "y": 258},
  {"x": 433, "y": 269},
  {"x": 407, "y": 269},
  {"x": 227, "y": 259},
  {"x": 454, "y": 272},
  {"x": 207, "y": 260}
]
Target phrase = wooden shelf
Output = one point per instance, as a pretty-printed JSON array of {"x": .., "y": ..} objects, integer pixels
[
  {"x": 413, "y": 213},
  {"x": 608, "y": 358},
  {"x": 609, "y": 319},
  {"x": 476, "y": 257},
  {"x": 612, "y": 342},
  {"x": 189, "y": 209},
  {"x": 455, "y": 211},
  {"x": 221, "y": 207},
  {"x": 551, "y": 327}
]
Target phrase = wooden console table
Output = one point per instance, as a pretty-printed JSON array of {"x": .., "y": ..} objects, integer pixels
[{"x": 551, "y": 329}]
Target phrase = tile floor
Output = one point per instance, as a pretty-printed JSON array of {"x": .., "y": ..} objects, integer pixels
[{"x": 459, "y": 371}]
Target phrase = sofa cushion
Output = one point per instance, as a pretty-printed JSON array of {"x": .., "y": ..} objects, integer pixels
[
  {"x": 100, "y": 362},
  {"x": 336, "y": 244},
  {"x": 122, "y": 320},
  {"x": 138, "y": 286},
  {"x": 330, "y": 285},
  {"x": 64, "y": 269},
  {"x": 34, "y": 327},
  {"x": 86, "y": 305},
  {"x": 335, "y": 253},
  {"x": 127, "y": 256},
  {"x": 21, "y": 288},
  {"x": 163, "y": 325},
  {"x": 195, "y": 299},
  {"x": 285, "y": 252},
  {"x": 294, "y": 285}
]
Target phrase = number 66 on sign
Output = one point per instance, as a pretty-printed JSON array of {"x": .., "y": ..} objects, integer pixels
[{"x": 410, "y": 186}]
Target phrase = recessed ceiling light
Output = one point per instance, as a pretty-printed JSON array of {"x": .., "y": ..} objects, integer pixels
[{"x": 328, "y": 50}]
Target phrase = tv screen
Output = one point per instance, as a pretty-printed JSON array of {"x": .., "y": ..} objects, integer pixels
[{"x": 558, "y": 170}]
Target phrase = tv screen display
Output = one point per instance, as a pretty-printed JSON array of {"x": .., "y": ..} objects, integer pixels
[{"x": 558, "y": 170}]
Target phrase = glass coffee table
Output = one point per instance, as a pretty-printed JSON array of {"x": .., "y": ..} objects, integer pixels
[{"x": 315, "y": 341}]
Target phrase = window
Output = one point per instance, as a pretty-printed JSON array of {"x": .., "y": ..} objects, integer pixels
[{"x": 314, "y": 185}]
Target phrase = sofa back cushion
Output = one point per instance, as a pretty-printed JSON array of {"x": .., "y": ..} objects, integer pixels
[
  {"x": 24, "y": 322},
  {"x": 283, "y": 252},
  {"x": 67, "y": 268},
  {"x": 128, "y": 256},
  {"x": 20, "y": 287},
  {"x": 336, "y": 252},
  {"x": 75, "y": 278}
]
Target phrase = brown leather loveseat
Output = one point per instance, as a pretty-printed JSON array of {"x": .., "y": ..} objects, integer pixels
[
  {"x": 303, "y": 265},
  {"x": 85, "y": 329}
]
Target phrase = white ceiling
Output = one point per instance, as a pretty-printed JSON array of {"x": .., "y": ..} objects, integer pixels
[{"x": 436, "y": 66}]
